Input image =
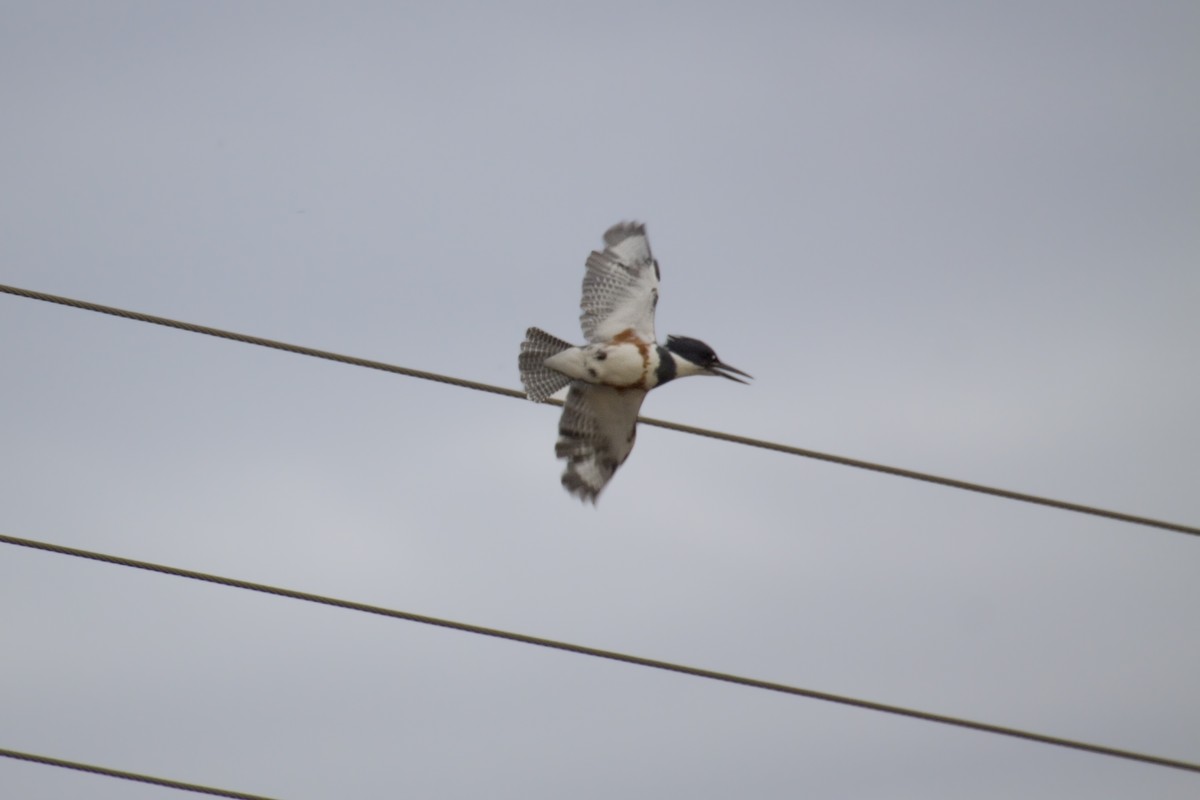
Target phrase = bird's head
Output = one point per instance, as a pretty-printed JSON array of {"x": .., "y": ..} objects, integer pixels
[{"x": 694, "y": 357}]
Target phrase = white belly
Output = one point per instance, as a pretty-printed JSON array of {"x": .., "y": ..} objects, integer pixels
[{"x": 612, "y": 365}]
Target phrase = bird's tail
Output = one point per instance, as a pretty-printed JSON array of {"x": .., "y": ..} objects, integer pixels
[{"x": 541, "y": 381}]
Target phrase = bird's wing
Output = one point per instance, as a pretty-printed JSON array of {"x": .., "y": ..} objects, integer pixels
[
  {"x": 620, "y": 288},
  {"x": 595, "y": 435}
]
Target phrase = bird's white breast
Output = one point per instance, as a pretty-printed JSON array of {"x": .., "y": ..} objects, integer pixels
[{"x": 620, "y": 365}]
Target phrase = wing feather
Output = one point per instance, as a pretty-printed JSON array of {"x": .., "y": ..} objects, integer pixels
[
  {"x": 596, "y": 434},
  {"x": 620, "y": 287}
]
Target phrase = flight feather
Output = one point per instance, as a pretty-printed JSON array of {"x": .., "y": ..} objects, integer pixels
[
  {"x": 620, "y": 286},
  {"x": 596, "y": 435}
]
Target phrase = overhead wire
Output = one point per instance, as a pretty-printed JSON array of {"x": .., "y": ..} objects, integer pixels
[
  {"x": 926, "y": 477},
  {"x": 128, "y": 776},
  {"x": 611, "y": 655}
]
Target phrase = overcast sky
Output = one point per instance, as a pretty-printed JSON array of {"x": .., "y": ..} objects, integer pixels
[{"x": 955, "y": 237}]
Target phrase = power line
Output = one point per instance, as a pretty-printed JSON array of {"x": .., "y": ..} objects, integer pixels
[
  {"x": 953, "y": 483},
  {"x": 128, "y": 776},
  {"x": 259, "y": 341},
  {"x": 611, "y": 655}
]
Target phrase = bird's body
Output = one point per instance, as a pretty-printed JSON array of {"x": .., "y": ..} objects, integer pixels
[
  {"x": 610, "y": 376},
  {"x": 624, "y": 363}
]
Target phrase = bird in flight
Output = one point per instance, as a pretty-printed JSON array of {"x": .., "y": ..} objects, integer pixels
[{"x": 610, "y": 375}]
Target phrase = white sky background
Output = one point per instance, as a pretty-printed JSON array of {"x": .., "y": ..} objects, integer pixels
[{"x": 954, "y": 237}]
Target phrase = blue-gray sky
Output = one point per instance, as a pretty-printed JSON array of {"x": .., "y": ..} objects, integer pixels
[{"x": 955, "y": 237}]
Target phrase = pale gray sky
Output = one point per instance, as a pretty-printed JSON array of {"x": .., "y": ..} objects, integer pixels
[{"x": 954, "y": 237}]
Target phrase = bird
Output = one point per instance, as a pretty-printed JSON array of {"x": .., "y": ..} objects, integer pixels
[{"x": 622, "y": 361}]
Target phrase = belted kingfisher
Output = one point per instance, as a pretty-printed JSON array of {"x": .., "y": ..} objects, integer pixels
[{"x": 609, "y": 377}]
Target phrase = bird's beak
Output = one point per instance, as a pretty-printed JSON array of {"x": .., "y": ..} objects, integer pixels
[{"x": 724, "y": 371}]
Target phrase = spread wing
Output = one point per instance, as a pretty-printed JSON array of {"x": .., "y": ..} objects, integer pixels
[
  {"x": 620, "y": 288},
  {"x": 595, "y": 435}
]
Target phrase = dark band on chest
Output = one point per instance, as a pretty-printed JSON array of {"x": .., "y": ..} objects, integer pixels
[{"x": 666, "y": 366}]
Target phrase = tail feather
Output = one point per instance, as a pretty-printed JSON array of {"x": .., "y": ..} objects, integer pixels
[{"x": 541, "y": 381}]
